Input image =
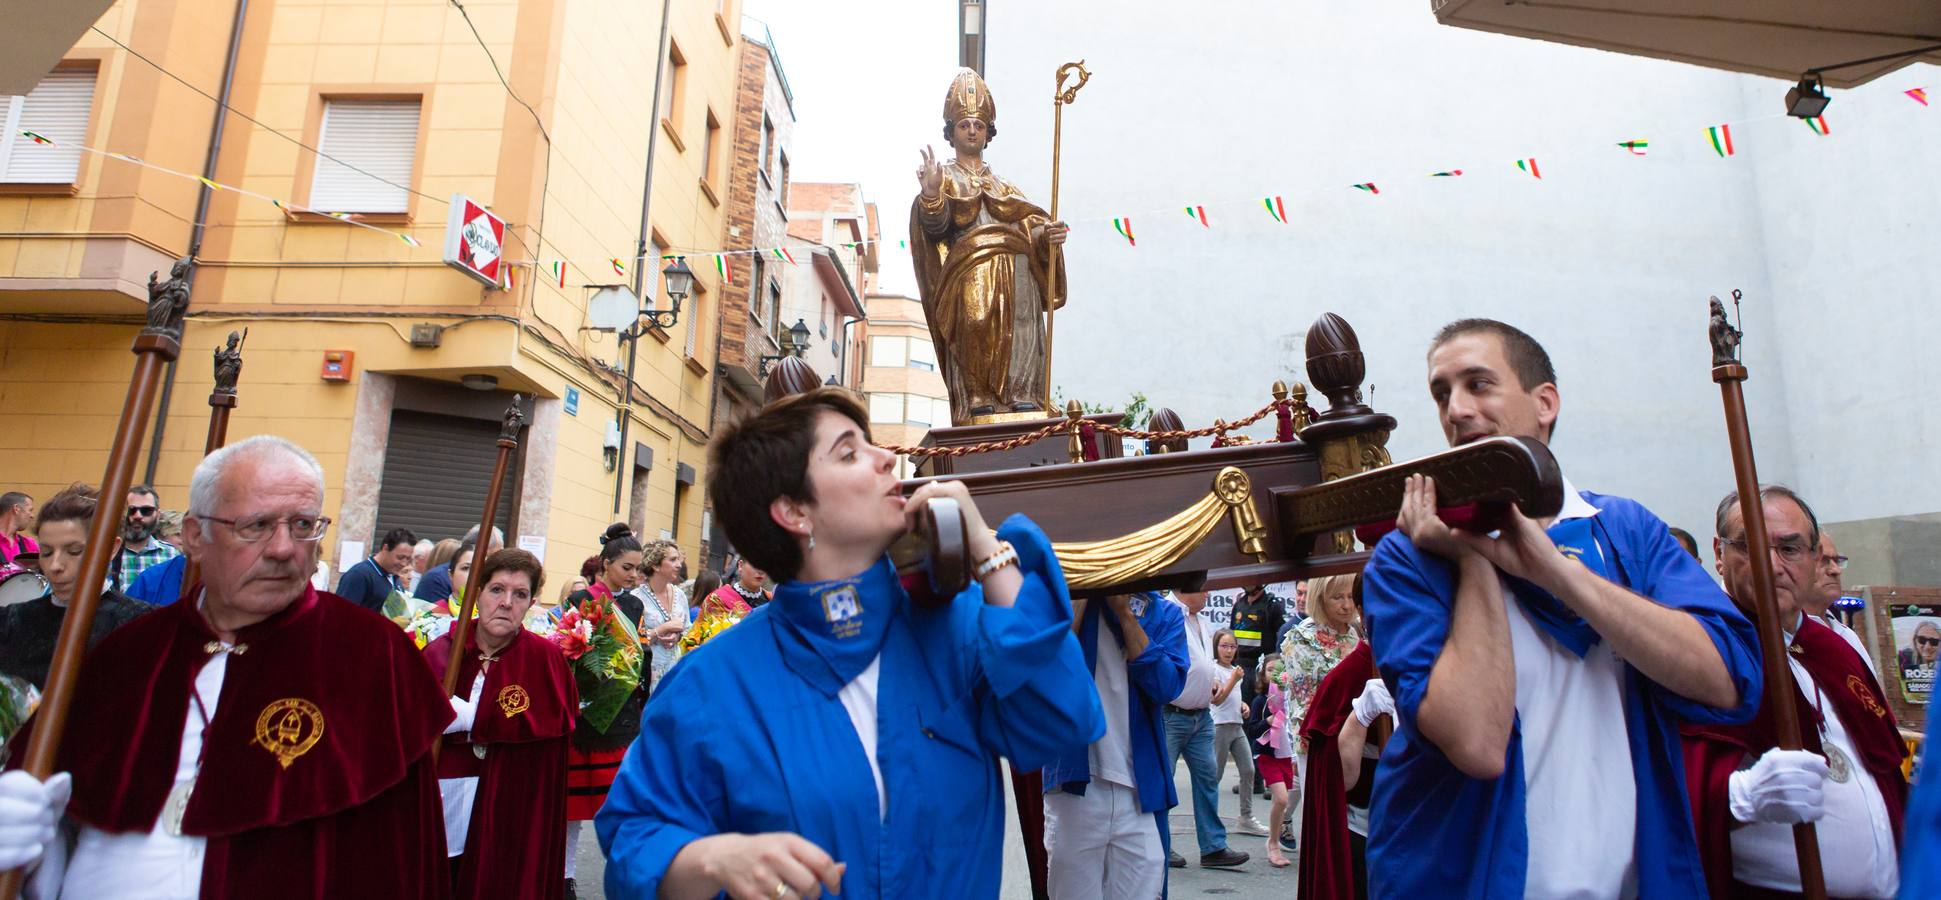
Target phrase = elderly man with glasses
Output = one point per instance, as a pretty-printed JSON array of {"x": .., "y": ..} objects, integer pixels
[
  {"x": 1746, "y": 794},
  {"x": 1827, "y": 591},
  {"x": 312, "y": 718}
]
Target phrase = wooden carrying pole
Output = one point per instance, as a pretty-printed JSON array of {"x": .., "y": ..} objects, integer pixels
[
  {"x": 154, "y": 348},
  {"x": 1062, "y": 96},
  {"x": 1730, "y": 376},
  {"x": 462, "y": 626},
  {"x": 229, "y": 367}
]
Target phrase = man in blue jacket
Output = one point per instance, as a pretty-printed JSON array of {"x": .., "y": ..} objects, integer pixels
[
  {"x": 1105, "y": 804},
  {"x": 1540, "y": 673}
]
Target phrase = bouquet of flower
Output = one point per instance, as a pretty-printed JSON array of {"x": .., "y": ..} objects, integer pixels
[
  {"x": 715, "y": 618},
  {"x": 603, "y": 649}
]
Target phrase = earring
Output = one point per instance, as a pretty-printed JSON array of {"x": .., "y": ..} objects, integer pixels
[{"x": 811, "y": 536}]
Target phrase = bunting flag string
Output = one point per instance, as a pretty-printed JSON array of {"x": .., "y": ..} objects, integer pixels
[
  {"x": 1721, "y": 136},
  {"x": 1124, "y": 228},
  {"x": 1637, "y": 147},
  {"x": 1530, "y": 166},
  {"x": 1919, "y": 95},
  {"x": 42, "y": 139},
  {"x": 619, "y": 266},
  {"x": 1276, "y": 208},
  {"x": 1452, "y": 173},
  {"x": 1368, "y": 186},
  {"x": 559, "y": 272},
  {"x": 1818, "y": 124},
  {"x": 783, "y": 253},
  {"x": 722, "y": 268},
  {"x": 1198, "y": 212}
]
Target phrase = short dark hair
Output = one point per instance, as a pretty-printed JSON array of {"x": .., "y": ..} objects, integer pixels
[
  {"x": 144, "y": 489},
  {"x": 397, "y": 536},
  {"x": 514, "y": 560},
  {"x": 75, "y": 503},
  {"x": 13, "y": 500},
  {"x": 1685, "y": 540},
  {"x": 1526, "y": 357},
  {"x": 765, "y": 457},
  {"x": 1767, "y": 492}
]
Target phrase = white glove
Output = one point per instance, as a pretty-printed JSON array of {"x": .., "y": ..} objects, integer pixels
[
  {"x": 1785, "y": 786},
  {"x": 1373, "y": 703},
  {"x": 464, "y": 711},
  {"x": 30, "y": 810}
]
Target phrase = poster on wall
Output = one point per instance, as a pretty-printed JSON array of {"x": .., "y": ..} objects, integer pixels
[
  {"x": 1917, "y": 645},
  {"x": 1219, "y": 604}
]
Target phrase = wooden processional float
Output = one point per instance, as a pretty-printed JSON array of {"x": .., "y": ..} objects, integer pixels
[{"x": 1235, "y": 514}]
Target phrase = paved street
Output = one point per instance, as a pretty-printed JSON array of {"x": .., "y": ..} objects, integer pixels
[{"x": 1253, "y": 880}]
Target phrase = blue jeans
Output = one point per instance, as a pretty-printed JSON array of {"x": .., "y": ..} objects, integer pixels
[{"x": 1191, "y": 733}]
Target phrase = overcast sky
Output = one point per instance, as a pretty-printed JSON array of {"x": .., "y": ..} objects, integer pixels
[{"x": 868, "y": 79}]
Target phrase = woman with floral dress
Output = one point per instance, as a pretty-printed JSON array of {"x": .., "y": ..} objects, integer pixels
[{"x": 1309, "y": 652}]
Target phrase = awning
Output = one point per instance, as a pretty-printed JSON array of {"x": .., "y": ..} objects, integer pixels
[
  {"x": 1780, "y": 38},
  {"x": 38, "y": 33}
]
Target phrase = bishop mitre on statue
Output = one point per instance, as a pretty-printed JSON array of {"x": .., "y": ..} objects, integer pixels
[{"x": 982, "y": 252}]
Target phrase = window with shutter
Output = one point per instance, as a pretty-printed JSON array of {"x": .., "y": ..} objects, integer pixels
[
  {"x": 379, "y": 137},
  {"x": 694, "y": 320},
  {"x": 56, "y": 109}
]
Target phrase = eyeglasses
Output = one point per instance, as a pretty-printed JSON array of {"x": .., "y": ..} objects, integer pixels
[
  {"x": 256, "y": 528},
  {"x": 1790, "y": 551},
  {"x": 143, "y": 511},
  {"x": 1838, "y": 562}
]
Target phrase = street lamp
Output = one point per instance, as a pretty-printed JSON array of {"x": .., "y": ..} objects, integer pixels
[{"x": 795, "y": 342}]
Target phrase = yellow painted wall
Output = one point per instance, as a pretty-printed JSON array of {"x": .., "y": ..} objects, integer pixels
[{"x": 587, "y": 66}]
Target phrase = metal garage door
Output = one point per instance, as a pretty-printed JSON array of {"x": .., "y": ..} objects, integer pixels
[{"x": 435, "y": 476}]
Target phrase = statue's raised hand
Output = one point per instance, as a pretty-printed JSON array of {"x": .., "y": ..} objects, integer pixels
[{"x": 931, "y": 174}]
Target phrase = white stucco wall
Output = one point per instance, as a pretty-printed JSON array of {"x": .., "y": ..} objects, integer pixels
[{"x": 1607, "y": 260}]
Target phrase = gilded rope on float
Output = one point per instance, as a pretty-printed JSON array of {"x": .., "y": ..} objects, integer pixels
[{"x": 1148, "y": 551}]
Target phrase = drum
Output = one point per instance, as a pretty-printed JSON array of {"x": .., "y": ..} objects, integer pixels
[{"x": 18, "y": 585}]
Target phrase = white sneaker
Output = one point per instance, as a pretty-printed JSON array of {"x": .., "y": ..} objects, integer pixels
[{"x": 1249, "y": 825}]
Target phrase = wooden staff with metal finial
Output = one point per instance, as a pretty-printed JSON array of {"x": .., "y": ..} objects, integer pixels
[
  {"x": 515, "y": 419},
  {"x": 1062, "y": 96},
  {"x": 1730, "y": 374},
  {"x": 155, "y": 347}
]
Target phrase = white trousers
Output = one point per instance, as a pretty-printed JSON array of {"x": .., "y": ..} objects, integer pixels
[{"x": 1101, "y": 847}]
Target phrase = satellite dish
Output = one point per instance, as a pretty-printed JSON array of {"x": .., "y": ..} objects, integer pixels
[{"x": 613, "y": 308}]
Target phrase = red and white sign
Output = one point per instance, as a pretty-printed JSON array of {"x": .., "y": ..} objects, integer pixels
[{"x": 475, "y": 241}]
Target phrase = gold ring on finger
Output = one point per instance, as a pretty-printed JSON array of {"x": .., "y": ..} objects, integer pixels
[{"x": 781, "y": 890}]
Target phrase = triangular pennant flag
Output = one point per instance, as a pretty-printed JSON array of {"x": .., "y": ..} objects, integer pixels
[
  {"x": 1276, "y": 208},
  {"x": 1452, "y": 173},
  {"x": 278, "y": 204},
  {"x": 1721, "y": 136},
  {"x": 342, "y": 216},
  {"x": 411, "y": 241},
  {"x": 783, "y": 253},
  {"x": 903, "y": 244},
  {"x": 1637, "y": 147},
  {"x": 1818, "y": 124},
  {"x": 1530, "y": 166},
  {"x": 1918, "y": 95},
  {"x": 559, "y": 272},
  {"x": 1198, "y": 212},
  {"x": 37, "y": 138},
  {"x": 1368, "y": 186},
  {"x": 619, "y": 266},
  {"x": 208, "y": 184},
  {"x": 1124, "y": 228},
  {"x": 509, "y": 269},
  {"x": 726, "y": 271}
]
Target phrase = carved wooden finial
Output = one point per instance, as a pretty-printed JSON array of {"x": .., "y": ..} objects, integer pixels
[
  {"x": 229, "y": 363},
  {"x": 1164, "y": 419},
  {"x": 1725, "y": 338},
  {"x": 1335, "y": 363},
  {"x": 515, "y": 419},
  {"x": 790, "y": 375},
  {"x": 168, "y": 301}
]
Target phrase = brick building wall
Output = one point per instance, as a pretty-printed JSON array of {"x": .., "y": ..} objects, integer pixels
[{"x": 761, "y": 127}]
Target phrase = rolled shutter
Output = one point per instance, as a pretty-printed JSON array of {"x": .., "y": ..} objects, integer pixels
[
  {"x": 380, "y": 137},
  {"x": 57, "y": 110},
  {"x": 436, "y": 471}
]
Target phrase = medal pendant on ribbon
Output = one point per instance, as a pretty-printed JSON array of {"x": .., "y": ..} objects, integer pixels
[
  {"x": 176, "y": 807},
  {"x": 478, "y": 750},
  {"x": 1838, "y": 766}
]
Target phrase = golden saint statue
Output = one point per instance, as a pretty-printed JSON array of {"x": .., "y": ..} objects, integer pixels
[{"x": 981, "y": 251}]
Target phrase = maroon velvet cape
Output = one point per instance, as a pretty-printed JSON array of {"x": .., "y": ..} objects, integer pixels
[
  {"x": 516, "y": 845},
  {"x": 1327, "y": 867},
  {"x": 1848, "y": 689},
  {"x": 355, "y": 814}
]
